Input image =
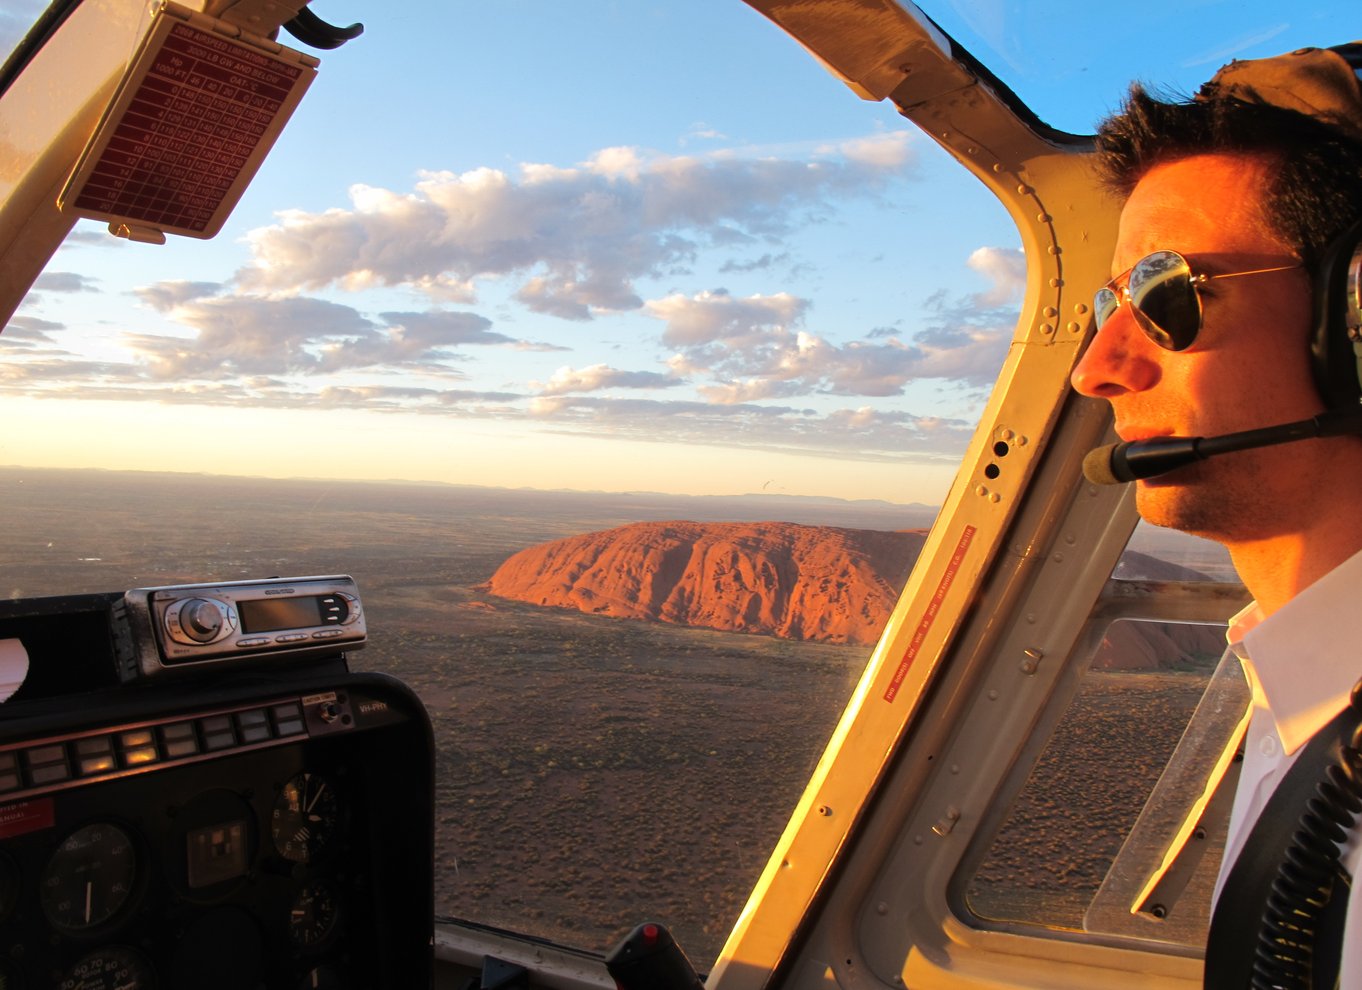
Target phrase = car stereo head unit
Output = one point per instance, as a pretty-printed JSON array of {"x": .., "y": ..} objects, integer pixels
[{"x": 161, "y": 630}]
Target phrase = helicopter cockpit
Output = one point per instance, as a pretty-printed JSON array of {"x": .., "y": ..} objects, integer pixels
[{"x": 249, "y": 743}]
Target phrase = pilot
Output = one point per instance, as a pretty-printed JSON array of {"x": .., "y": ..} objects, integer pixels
[{"x": 1240, "y": 221}]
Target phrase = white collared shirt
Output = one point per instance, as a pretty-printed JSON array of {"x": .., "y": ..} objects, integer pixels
[{"x": 1301, "y": 664}]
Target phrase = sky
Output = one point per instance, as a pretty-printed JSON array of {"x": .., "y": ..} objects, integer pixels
[{"x": 593, "y": 245}]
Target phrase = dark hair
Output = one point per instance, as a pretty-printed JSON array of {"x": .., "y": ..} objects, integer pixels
[{"x": 1316, "y": 190}]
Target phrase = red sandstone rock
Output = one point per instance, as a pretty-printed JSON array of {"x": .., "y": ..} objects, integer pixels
[{"x": 781, "y": 579}]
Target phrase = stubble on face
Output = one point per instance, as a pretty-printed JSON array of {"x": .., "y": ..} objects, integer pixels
[{"x": 1249, "y": 367}]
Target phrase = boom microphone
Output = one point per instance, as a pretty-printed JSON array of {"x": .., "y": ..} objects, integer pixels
[{"x": 1118, "y": 463}]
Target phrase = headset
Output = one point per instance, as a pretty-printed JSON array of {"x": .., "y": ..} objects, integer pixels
[{"x": 1336, "y": 347}]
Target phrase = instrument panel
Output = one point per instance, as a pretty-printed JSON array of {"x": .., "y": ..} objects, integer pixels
[{"x": 248, "y": 832}]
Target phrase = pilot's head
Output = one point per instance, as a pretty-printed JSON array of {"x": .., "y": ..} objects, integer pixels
[{"x": 1232, "y": 202}]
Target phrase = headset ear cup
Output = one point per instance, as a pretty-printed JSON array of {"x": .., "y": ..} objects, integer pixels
[{"x": 1336, "y": 350}]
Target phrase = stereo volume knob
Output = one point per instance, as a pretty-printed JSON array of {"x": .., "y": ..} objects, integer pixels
[{"x": 201, "y": 620}]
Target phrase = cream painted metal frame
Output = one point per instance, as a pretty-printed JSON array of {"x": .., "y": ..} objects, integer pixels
[{"x": 859, "y": 890}]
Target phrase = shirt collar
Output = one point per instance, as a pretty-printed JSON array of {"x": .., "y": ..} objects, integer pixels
[{"x": 1301, "y": 662}]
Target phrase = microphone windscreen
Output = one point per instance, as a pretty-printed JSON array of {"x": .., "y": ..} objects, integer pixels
[{"x": 1097, "y": 466}]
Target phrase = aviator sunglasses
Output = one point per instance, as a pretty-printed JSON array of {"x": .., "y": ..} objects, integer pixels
[{"x": 1162, "y": 289}]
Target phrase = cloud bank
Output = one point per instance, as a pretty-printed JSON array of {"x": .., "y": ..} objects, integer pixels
[
  {"x": 575, "y": 240},
  {"x": 309, "y": 320}
]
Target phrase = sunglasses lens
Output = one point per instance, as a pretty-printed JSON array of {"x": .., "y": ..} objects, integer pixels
[
  {"x": 1165, "y": 301},
  {"x": 1105, "y": 302}
]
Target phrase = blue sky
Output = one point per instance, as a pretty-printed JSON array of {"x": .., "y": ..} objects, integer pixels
[{"x": 592, "y": 245}]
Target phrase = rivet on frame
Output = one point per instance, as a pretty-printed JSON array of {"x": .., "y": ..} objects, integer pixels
[{"x": 1050, "y": 312}]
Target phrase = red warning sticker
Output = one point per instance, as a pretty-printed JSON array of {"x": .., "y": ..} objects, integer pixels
[
  {"x": 23, "y": 817},
  {"x": 929, "y": 617}
]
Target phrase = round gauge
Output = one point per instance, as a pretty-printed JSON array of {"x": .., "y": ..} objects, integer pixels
[
  {"x": 114, "y": 968},
  {"x": 312, "y": 916},
  {"x": 88, "y": 878},
  {"x": 305, "y": 817}
]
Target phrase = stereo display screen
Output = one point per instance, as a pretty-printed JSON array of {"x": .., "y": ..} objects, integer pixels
[{"x": 270, "y": 614}]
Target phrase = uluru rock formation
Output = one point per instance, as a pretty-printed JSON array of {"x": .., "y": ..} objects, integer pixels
[
  {"x": 820, "y": 583},
  {"x": 800, "y": 582}
]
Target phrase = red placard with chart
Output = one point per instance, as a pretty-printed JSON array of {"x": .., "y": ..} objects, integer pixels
[{"x": 194, "y": 118}]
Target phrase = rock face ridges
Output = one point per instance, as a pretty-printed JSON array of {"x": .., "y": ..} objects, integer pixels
[{"x": 800, "y": 582}]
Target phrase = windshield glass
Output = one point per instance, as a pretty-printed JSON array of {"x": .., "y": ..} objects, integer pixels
[
  {"x": 1071, "y": 62},
  {"x": 640, "y": 289},
  {"x": 641, "y": 279}
]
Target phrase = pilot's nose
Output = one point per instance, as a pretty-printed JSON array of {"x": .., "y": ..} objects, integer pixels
[{"x": 1118, "y": 360}]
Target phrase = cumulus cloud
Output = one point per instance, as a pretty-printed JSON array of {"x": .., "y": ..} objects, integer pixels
[
  {"x": 860, "y": 433},
  {"x": 232, "y": 335},
  {"x": 29, "y": 331},
  {"x": 761, "y": 347},
  {"x": 717, "y": 317},
  {"x": 889, "y": 150},
  {"x": 576, "y": 239},
  {"x": 418, "y": 333},
  {"x": 64, "y": 282},
  {"x": 1006, "y": 269},
  {"x": 251, "y": 335},
  {"x": 765, "y": 262},
  {"x": 165, "y": 296},
  {"x": 598, "y": 377}
]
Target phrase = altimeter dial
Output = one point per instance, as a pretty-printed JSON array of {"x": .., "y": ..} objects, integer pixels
[
  {"x": 305, "y": 817},
  {"x": 312, "y": 916},
  {"x": 88, "y": 878},
  {"x": 113, "y": 968}
]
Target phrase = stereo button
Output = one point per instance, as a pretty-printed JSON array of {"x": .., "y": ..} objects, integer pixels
[
  {"x": 288, "y": 719},
  {"x": 95, "y": 755},
  {"x": 290, "y": 638},
  {"x": 201, "y": 620},
  {"x": 179, "y": 740},
  {"x": 253, "y": 725},
  {"x": 255, "y": 641},
  {"x": 47, "y": 764},
  {"x": 327, "y": 633},
  {"x": 217, "y": 732},
  {"x": 139, "y": 747},
  {"x": 9, "y": 771}
]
